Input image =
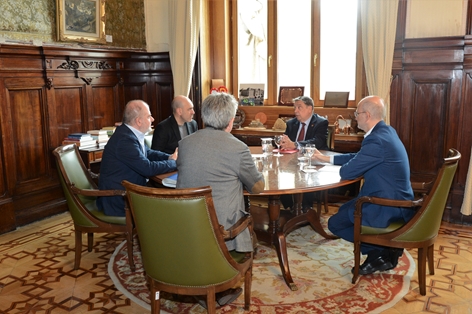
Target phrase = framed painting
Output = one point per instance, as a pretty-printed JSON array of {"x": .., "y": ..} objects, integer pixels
[
  {"x": 288, "y": 93},
  {"x": 81, "y": 21}
]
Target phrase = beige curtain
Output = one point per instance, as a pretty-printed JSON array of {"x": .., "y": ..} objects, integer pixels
[
  {"x": 184, "y": 28},
  {"x": 466, "y": 208},
  {"x": 378, "y": 21}
]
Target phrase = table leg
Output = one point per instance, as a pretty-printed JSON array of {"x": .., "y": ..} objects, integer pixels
[{"x": 279, "y": 241}]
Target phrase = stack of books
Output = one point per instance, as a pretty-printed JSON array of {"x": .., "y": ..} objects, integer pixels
[
  {"x": 109, "y": 130},
  {"x": 82, "y": 140},
  {"x": 100, "y": 136}
]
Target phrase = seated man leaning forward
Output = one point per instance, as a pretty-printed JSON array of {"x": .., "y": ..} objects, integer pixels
[
  {"x": 213, "y": 156},
  {"x": 170, "y": 131},
  {"x": 126, "y": 157},
  {"x": 383, "y": 162},
  {"x": 306, "y": 128}
]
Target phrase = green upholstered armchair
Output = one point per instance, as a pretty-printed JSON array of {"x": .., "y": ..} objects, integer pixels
[
  {"x": 183, "y": 246},
  {"x": 81, "y": 193},
  {"x": 420, "y": 232}
]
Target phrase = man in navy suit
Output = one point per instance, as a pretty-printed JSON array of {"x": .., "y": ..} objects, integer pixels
[
  {"x": 315, "y": 130},
  {"x": 306, "y": 128},
  {"x": 383, "y": 162},
  {"x": 170, "y": 131},
  {"x": 126, "y": 157}
]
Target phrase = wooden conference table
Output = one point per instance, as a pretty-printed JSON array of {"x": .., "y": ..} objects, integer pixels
[{"x": 282, "y": 175}]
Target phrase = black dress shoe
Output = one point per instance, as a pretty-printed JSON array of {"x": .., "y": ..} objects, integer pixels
[
  {"x": 395, "y": 254},
  {"x": 381, "y": 263},
  {"x": 228, "y": 296},
  {"x": 223, "y": 298}
]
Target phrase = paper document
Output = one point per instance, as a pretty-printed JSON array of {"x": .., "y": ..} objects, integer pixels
[
  {"x": 170, "y": 181},
  {"x": 330, "y": 168}
]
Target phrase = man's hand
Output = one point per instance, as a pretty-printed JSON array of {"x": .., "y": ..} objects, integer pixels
[
  {"x": 320, "y": 157},
  {"x": 286, "y": 143},
  {"x": 175, "y": 154}
]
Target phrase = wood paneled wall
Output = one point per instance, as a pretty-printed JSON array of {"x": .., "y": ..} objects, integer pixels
[
  {"x": 47, "y": 93},
  {"x": 430, "y": 108}
]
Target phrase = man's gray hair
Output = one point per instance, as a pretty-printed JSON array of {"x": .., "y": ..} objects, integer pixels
[
  {"x": 218, "y": 109},
  {"x": 306, "y": 100}
]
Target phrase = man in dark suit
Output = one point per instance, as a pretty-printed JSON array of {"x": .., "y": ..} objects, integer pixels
[
  {"x": 170, "y": 131},
  {"x": 306, "y": 128},
  {"x": 383, "y": 162},
  {"x": 126, "y": 157}
]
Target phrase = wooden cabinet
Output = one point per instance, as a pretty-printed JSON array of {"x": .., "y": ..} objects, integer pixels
[
  {"x": 48, "y": 92},
  {"x": 347, "y": 143},
  {"x": 92, "y": 158},
  {"x": 253, "y": 137},
  {"x": 430, "y": 105}
]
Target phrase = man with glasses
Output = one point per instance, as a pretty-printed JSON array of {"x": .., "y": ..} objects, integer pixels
[{"x": 383, "y": 162}]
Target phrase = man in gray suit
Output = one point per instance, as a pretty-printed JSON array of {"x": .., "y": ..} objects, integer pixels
[{"x": 213, "y": 156}]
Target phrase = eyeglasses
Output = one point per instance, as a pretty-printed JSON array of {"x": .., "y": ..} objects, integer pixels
[{"x": 358, "y": 113}]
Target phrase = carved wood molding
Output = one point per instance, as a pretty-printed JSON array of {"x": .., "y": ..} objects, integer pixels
[
  {"x": 49, "y": 83},
  {"x": 76, "y": 65},
  {"x": 87, "y": 80}
]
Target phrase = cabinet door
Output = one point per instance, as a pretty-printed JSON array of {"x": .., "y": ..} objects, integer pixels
[{"x": 428, "y": 116}]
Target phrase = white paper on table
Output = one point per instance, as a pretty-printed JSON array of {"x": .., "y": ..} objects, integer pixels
[
  {"x": 330, "y": 168},
  {"x": 257, "y": 155}
]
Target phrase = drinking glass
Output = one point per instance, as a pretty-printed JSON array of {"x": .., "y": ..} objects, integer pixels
[
  {"x": 278, "y": 140},
  {"x": 302, "y": 158},
  {"x": 309, "y": 151}
]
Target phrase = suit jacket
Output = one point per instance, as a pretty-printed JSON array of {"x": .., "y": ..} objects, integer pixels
[
  {"x": 124, "y": 159},
  {"x": 166, "y": 135},
  {"x": 383, "y": 162},
  {"x": 218, "y": 159},
  {"x": 316, "y": 132}
]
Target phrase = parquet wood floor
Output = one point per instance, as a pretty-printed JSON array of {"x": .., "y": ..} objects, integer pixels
[{"x": 36, "y": 274}]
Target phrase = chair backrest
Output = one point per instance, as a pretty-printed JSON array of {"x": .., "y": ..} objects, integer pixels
[
  {"x": 148, "y": 140},
  {"x": 72, "y": 172},
  {"x": 179, "y": 236},
  {"x": 425, "y": 224}
]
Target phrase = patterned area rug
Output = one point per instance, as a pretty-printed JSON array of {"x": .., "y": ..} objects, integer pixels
[{"x": 320, "y": 268}]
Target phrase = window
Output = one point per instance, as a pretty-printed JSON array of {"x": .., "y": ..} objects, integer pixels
[{"x": 310, "y": 43}]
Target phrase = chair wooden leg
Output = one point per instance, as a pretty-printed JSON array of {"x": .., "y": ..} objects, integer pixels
[
  {"x": 431, "y": 259},
  {"x": 357, "y": 261},
  {"x": 247, "y": 289},
  {"x": 422, "y": 270},
  {"x": 211, "y": 301},
  {"x": 129, "y": 244},
  {"x": 78, "y": 248},
  {"x": 155, "y": 300},
  {"x": 89, "y": 241}
]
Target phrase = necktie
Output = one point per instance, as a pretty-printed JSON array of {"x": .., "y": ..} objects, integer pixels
[{"x": 301, "y": 135}]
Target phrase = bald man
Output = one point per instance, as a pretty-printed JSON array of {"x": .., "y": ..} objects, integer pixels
[
  {"x": 383, "y": 162},
  {"x": 126, "y": 157},
  {"x": 170, "y": 131}
]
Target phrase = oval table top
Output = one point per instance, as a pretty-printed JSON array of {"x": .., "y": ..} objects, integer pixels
[{"x": 284, "y": 175}]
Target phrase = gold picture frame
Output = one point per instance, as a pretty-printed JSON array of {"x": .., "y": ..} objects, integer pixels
[{"x": 81, "y": 21}]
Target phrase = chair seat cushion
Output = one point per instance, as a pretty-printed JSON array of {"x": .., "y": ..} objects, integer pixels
[
  {"x": 117, "y": 220},
  {"x": 239, "y": 257},
  {"x": 392, "y": 227}
]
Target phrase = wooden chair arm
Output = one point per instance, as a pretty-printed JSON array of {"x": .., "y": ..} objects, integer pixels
[
  {"x": 237, "y": 228},
  {"x": 87, "y": 192},
  {"x": 386, "y": 202}
]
